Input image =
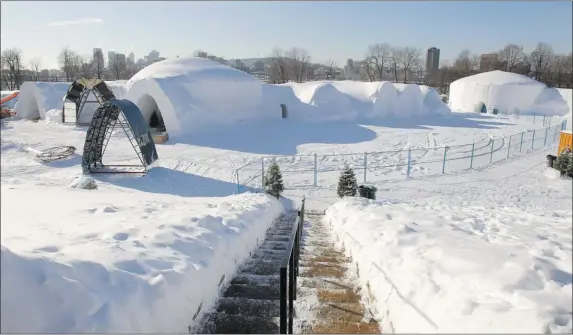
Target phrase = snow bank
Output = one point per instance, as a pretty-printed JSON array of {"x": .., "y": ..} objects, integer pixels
[
  {"x": 507, "y": 92},
  {"x": 193, "y": 92},
  {"x": 100, "y": 261},
  {"x": 333, "y": 104},
  {"x": 36, "y": 98},
  {"x": 409, "y": 102},
  {"x": 567, "y": 95},
  {"x": 436, "y": 269},
  {"x": 385, "y": 100}
]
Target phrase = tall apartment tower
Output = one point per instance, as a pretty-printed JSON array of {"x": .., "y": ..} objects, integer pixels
[{"x": 432, "y": 60}]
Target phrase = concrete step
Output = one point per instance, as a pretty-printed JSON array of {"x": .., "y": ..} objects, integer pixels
[
  {"x": 277, "y": 238},
  {"x": 221, "y": 323},
  {"x": 273, "y": 245},
  {"x": 254, "y": 280},
  {"x": 252, "y": 292},
  {"x": 249, "y": 307},
  {"x": 260, "y": 266},
  {"x": 268, "y": 254}
]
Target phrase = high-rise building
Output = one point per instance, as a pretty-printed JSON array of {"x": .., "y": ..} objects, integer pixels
[
  {"x": 110, "y": 57},
  {"x": 432, "y": 60},
  {"x": 132, "y": 57},
  {"x": 98, "y": 57},
  {"x": 120, "y": 59}
]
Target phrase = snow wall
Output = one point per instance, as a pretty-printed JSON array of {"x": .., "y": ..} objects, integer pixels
[
  {"x": 37, "y": 98},
  {"x": 507, "y": 92}
]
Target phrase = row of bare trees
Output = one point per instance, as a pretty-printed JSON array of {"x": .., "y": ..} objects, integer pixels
[
  {"x": 383, "y": 61},
  {"x": 541, "y": 64},
  {"x": 15, "y": 72},
  {"x": 292, "y": 65}
]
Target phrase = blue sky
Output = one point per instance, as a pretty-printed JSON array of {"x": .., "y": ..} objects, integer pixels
[{"x": 337, "y": 30}]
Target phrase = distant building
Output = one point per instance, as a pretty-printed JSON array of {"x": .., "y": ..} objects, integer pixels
[
  {"x": 131, "y": 57},
  {"x": 110, "y": 57},
  {"x": 120, "y": 59},
  {"x": 432, "y": 60},
  {"x": 258, "y": 66},
  {"x": 202, "y": 54}
]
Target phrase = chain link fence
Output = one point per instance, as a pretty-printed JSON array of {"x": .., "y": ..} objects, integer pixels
[{"x": 313, "y": 170}]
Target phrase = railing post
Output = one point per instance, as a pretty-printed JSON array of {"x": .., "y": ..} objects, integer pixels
[
  {"x": 509, "y": 145},
  {"x": 290, "y": 294},
  {"x": 365, "y": 165},
  {"x": 238, "y": 184},
  {"x": 444, "y": 162},
  {"x": 534, "y": 117},
  {"x": 296, "y": 260},
  {"x": 544, "y": 120},
  {"x": 409, "y": 163},
  {"x": 315, "y": 170},
  {"x": 521, "y": 144},
  {"x": 472, "y": 157},
  {"x": 545, "y": 140},
  {"x": 533, "y": 139},
  {"x": 491, "y": 151},
  {"x": 263, "y": 173},
  {"x": 283, "y": 302},
  {"x": 563, "y": 124}
]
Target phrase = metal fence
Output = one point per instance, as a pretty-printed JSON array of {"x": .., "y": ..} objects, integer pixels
[{"x": 312, "y": 170}]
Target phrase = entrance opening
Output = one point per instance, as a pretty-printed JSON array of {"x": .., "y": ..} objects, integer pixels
[{"x": 152, "y": 114}]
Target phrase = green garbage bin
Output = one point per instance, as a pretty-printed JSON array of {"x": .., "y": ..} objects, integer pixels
[
  {"x": 363, "y": 191},
  {"x": 372, "y": 192}
]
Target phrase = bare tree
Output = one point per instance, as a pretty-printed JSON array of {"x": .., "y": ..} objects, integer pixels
[
  {"x": 278, "y": 70},
  {"x": 11, "y": 62},
  {"x": 118, "y": 67},
  {"x": 466, "y": 63},
  {"x": 409, "y": 59},
  {"x": 511, "y": 56},
  {"x": 35, "y": 69},
  {"x": 560, "y": 71},
  {"x": 369, "y": 69},
  {"x": 86, "y": 67},
  {"x": 379, "y": 56},
  {"x": 299, "y": 64},
  {"x": 98, "y": 64},
  {"x": 540, "y": 59},
  {"x": 330, "y": 69},
  {"x": 70, "y": 64},
  {"x": 395, "y": 56}
]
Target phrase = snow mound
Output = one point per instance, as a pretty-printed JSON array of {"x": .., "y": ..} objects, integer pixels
[
  {"x": 333, "y": 104},
  {"x": 508, "y": 92},
  {"x": 385, "y": 100},
  {"x": 36, "y": 98},
  {"x": 190, "y": 93},
  {"x": 448, "y": 269},
  {"x": 110, "y": 263},
  {"x": 84, "y": 182}
]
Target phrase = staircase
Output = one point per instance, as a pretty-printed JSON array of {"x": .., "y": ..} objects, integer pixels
[
  {"x": 250, "y": 305},
  {"x": 326, "y": 273}
]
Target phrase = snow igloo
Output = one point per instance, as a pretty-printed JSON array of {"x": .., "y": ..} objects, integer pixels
[
  {"x": 185, "y": 94},
  {"x": 508, "y": 92}
]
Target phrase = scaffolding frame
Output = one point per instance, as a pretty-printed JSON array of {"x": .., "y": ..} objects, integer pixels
[
  {"x": 78, "y": 94},
  {"x": 106, "y": 118}
]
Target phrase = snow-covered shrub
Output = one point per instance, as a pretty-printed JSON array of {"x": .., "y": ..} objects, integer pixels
[
  {"x": 347, "y": 184},
  {"x": 563, "y": 162},
  {"x": 274, "y": 180}
]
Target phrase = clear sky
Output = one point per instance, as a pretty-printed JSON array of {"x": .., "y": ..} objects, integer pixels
[{"x": 244, "y": 29}]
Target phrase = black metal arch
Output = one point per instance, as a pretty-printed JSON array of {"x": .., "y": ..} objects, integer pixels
[
  {"x": 78, "y": 94},
  {"x": 108, "y": 116}
]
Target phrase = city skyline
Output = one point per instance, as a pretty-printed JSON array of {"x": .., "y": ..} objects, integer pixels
[{"x": 228, "y": 30}]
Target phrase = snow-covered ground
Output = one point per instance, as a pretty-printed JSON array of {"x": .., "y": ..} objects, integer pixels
[
  {"x": 486, "y": 251},
  {"x": 141, "y": 254}
]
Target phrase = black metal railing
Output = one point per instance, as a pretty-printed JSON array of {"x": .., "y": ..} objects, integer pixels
[{"x": 289, "y": 274}]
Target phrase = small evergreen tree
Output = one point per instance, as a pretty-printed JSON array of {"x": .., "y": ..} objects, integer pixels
[
  {"x": 274, "y": 180},
  {"x": 570, "y": 165},
  {"x": 347, "y": 184},
  {"x": 562, "y": 162}
]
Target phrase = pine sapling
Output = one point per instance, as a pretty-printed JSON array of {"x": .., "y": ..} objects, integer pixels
[
  {"x": 347, "y": 184},
  {"x": 274, "y": 180}
]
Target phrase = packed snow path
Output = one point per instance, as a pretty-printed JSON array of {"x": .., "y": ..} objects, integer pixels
[
  {"x": 328, "y": 301},
  {"x": 250, "y": 305}
]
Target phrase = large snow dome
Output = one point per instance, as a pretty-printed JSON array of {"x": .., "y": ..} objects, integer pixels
[
  {"x": 190, "y": 93},
  {"x": 507, "y": 92}
]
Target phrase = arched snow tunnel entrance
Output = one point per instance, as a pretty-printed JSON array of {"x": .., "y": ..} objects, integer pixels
[{"x": 152, "y": 115}]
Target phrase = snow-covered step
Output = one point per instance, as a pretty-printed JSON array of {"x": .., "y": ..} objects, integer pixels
[
  {"x": 222, "y": 323},
  {"x": 252, "y": 292},
  {"x": 250, "y": 279},
  {"x": 244, "y": 306},
  {"x": 261, "y": 267}
]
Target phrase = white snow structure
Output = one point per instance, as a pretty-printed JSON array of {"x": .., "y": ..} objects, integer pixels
[
  {"x": 508, "y": 92},
  {"x": 37, "y": 98},
  {"x": 348, "y": 100},
  {"x": 193, "y": 92}
]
